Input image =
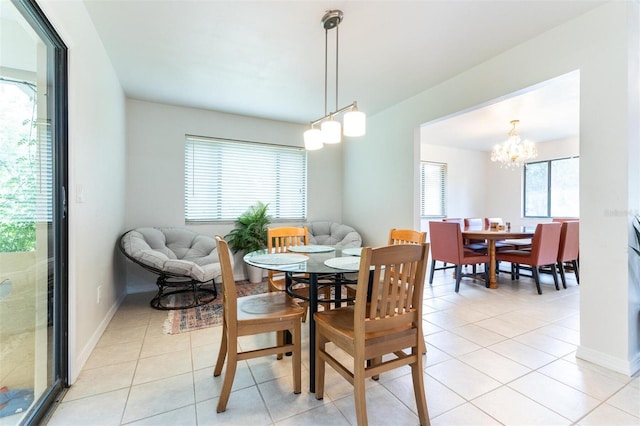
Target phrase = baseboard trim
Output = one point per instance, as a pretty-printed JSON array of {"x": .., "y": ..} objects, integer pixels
[
  {"x": 628, "y": 367},
  {"x": 84, "y": 355}
]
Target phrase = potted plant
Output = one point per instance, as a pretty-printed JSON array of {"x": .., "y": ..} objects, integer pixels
[{"x": 250, "y": 234}]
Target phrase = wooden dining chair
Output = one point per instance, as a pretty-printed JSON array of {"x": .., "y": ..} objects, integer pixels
[
  {"x": 569, "y": 249},
  {"x": 447, "y": 246},
  {"x": 385, "y": 321},
  {"x": 278, "y": 241},
  {"x": 396, "y": 237},
  {"x": 249, "y": 315},
  {"x": 544, "y": 252}
]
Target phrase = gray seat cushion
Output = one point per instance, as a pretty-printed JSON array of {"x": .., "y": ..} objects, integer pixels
[
  {"x": 325, "y": 232},
  {"x": 176, "y": 251}
]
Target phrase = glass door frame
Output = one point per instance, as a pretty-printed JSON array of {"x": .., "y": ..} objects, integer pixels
[{"x": 57, "y": 82}]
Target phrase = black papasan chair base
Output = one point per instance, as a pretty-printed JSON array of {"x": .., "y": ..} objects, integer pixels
[{"x": 186, "y": 294}]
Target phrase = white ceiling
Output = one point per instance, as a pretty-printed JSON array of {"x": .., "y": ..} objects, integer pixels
[
  {"x": 266, "y": 58},
  {"x": 547, "y": 111}
]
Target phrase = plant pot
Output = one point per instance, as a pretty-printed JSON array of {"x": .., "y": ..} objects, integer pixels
[{"x": 254, "y": 274}]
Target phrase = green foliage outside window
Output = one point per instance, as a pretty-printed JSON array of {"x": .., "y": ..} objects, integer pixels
[{"x": 18, "y": 168}]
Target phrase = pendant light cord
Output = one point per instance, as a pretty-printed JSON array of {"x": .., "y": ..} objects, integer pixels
[
  {"x": 326, "y": 50},
  {"x": 337, "y": 29}
]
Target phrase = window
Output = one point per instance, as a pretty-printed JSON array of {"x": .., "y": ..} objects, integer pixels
[
  {"x": 433, "y": 189},
  {"x": 223, "y": 178},
  {"x": 551, "y": 188}
]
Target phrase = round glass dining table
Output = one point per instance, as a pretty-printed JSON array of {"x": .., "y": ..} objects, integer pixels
[{"x": 314, "y": 261}]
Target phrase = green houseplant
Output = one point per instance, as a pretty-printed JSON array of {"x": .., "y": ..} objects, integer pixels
[
  {"x": 250, "y": 234},
  {"x": 636, "y": 228}
]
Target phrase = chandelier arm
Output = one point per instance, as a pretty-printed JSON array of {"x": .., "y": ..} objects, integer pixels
[{"x": 353, "y": 106}]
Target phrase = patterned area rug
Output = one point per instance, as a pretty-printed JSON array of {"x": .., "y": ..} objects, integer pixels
[{"x": 185, "y": 320}]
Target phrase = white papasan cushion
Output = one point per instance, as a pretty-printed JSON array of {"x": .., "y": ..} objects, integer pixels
[
  {"x": 329, "y": 233},
  {"x": 174, "y": 250}
]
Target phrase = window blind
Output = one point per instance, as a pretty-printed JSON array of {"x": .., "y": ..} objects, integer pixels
[
  {"x": 223, "y": 178},
  {"x": 433, "y": 186}
]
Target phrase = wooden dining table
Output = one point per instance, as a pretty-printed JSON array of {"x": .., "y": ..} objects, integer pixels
[{"x": 491, "y": 236}]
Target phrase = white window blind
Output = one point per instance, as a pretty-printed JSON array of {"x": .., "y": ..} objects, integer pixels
[
  {"x": 223, "y": 178},
  {"x": 433, "y": 189}
]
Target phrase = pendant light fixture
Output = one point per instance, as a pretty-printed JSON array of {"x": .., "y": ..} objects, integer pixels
[{"x": 354, "y": 121}]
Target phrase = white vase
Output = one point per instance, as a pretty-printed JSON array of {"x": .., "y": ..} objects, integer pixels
[{"x": 254, "y": 273}]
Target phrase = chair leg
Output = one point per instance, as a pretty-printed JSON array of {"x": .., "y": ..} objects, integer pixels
[
  {"x": 418, "y": 390},
  {"x": 536, "y": 277},
  {"x": 486, "y": 276},
  {"x": 359, "y": 391},
  {"x": 229, "y": 374},
  {"x": 280, "y": 342},
  {"x": 223, "y": 352},
  {"x": 433, "y": 267},
  {"x": 575, "y": 270},
  {"x": 560, "y": 266},
  {"x": 555, "y": 276},
  {"x": 458, "y": 275},
  {"x": 374, "y": 362}
]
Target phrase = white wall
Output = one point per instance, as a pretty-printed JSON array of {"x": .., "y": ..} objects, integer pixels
[
  {"x": 478, "y": 187},
  {"x": 155, "y": 168},
  {"x": 97, "y": 167},
  {"x": 380, "y": 169},
  {"x": 466, "y": 179}
]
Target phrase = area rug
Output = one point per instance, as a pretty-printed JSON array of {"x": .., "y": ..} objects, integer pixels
[{"x": 186, "y": 320}]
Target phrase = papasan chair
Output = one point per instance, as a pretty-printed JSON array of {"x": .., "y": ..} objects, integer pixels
[
  {"x": 326, "y": 232},
  {"x": 186, "y": 263}
]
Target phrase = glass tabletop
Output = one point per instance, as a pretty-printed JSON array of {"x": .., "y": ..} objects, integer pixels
[{"x": 315, "y": 263}]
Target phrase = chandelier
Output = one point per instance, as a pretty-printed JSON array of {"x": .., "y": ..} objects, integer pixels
[
  {"x": 330, "y": 130},
  {"x": 514, "y": 152}
]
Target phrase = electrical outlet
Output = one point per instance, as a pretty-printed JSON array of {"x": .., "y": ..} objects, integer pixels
[{"x": 99, "y": 294}]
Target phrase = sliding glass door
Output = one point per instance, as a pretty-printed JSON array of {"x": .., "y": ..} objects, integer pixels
[{"x": 33, "y": 223}]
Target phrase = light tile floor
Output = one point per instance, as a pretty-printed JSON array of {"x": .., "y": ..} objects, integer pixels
[{"x": 504, "y": 356}]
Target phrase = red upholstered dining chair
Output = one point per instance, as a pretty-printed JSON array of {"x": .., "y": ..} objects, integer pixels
[
  {"x": 569, "y": 249},
  {"x": 544, "y": 252},
  {"x": 446, "y": 246},
  {"x": 477, "y": 245},
  {"x": 565, "y": 219}
]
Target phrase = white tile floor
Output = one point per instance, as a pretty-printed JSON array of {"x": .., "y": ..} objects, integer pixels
[{"x": 504, "y": 356}]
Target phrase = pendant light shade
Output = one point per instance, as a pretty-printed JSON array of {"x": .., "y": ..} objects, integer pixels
[
  {"x": 355, "y": 123},
  {"x": 331, "y": 131},
  {"x": 313, "y": 139}
]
